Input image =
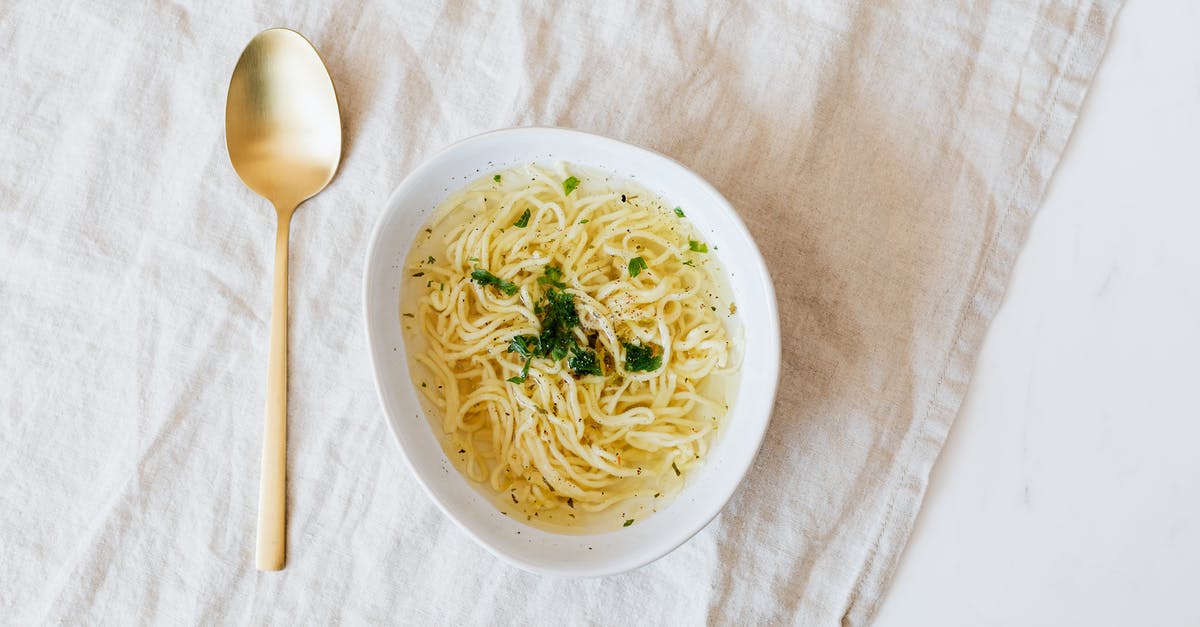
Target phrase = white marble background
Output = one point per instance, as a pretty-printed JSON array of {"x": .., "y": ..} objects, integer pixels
[{"x": 1069, "y": 491}]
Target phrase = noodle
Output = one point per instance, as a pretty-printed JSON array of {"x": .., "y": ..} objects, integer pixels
[{"x": 570, "y": 341}]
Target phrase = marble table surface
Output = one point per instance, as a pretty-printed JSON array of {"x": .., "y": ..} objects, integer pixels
[{"x": 1069, "y": 490}]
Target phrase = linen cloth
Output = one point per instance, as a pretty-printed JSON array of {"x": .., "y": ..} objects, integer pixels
[{"x": 887, "y": 156}]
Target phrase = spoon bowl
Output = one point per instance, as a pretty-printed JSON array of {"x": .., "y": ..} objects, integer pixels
[
  {"x": 282, "y": 125},
  {"x": 284, "y": 136}
]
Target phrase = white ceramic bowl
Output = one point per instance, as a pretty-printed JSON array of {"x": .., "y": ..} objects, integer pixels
[{"x": 709, "y": 487}]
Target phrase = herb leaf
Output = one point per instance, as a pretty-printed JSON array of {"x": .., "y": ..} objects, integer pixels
[
  {"x": 523, "y": 345},
  {"x": 679, "y": 211},
  {"x": 636, "y": 265},
  {"x": 697, "y": 247},
  {"x": 524, "y": 373},
  {"x": 431, "y": 260},
  {"x": 583, "y": 362},
  {"x": 641, "y": 358},
  {"x": 551, "y": 275},
  {"x": 689, "y": 262},
  {"x": 628, "y": 522},
  {"x": 558, "y": 318},
  {"x": 496, "y": 178},
  {"x": 584, "y": 221},
  {"x": 523, "y": 221},
  {"x": 569, "y": 185},
  {"x": 485, "y": 278}
]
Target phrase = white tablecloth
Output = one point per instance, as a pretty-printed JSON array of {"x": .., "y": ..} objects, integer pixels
[{"x": 887, "y": 156}]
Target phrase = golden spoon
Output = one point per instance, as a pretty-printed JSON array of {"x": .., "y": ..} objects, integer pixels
[{"x": 284, "y": 137}]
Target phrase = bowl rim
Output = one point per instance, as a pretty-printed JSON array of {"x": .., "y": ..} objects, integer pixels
[{"x": 771, "y": 359}]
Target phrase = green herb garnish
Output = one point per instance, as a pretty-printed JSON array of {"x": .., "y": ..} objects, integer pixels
[
  {"x": 689, "y": 262},
  {"x": 558, "y": 318},
  {"x": 583, "y": 362},
  {"x": 524, "y": 345},
  {"x": 524, "y": 373},
  {"x": 431, "y": 260},
  {"x": 641, "y": 358},
  {"x": 569, "y": 185},
  {"x": 679, "y": 211},
  {"x": 485, "y": 278},
  {"x": 697, "y": 247},
  {"x": 628, "y": 522},
  {"x": 584, "y": 221},
  {"x": 636, "y": 265},
  {"x": 675, "y": 468},
  {"x": 552, "y": 275},
  {"x": 523, "y": 221},
  {"x": 496, "y": 178}
]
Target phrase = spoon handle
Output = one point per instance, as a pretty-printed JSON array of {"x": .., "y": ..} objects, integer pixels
[{"x": 272, "y": 524}]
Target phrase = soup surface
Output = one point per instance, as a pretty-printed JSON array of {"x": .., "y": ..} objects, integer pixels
[{"x": 574, "y": 342}]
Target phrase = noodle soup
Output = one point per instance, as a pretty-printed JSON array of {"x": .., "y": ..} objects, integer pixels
[{"x": 572, "y": 341}]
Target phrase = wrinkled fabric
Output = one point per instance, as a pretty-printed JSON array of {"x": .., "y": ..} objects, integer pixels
[{"x": 887, "y": 156}]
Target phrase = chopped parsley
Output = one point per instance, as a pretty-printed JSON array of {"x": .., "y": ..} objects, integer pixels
[
  {"x": 570, "y": 185},
  {"x": 583, "y": 362},
  {"x": 496, "y": 178},
  {"x": 636, "y": 265},
  {"x": 485, "y": 278},
  {"x": 558, "y": 318},
  {"x": 697, "y": 247},
  {"x": 584, "y": 221},
  {"x": 689, "y": 262},
  {"x": 524, "y": 345},
  {"x": 628, "y": 522},
  {"x": 675, "y": 468},
  {"x": 431, "y": 260},
  {"x": 679, "y": 211},
  {"x": 641, "y": 358},
  {"x": 523, "y": 221},
  {"x": 524, "y": 373},
  {"x": 552, "y": 275}
]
